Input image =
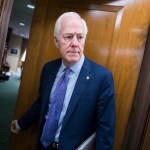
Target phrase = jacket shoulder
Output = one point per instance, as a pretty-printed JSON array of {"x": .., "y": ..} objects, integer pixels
[
  {"x": 95, "y": 67},
  {"x": 52, "y": 63}
]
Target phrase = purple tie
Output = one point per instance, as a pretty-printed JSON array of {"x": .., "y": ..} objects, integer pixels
[{"x": 54, "y": 111}]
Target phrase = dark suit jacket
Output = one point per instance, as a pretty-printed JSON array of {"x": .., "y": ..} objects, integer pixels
[{"x": 92, "y": 106}]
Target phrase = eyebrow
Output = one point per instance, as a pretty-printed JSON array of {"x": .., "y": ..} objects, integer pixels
[{"x": 73, "y": 34}]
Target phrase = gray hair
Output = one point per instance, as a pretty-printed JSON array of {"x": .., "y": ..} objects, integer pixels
[{"x": 58, "y": 23}]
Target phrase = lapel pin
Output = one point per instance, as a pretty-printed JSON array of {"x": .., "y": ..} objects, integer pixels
[{"x": 87, "y": 78}]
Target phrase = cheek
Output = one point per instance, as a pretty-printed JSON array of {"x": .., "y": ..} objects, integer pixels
[
  {"x": 81, "y": 47},
  {"x": 63, "y": 50},
  {"x": 63, "y": 46}
]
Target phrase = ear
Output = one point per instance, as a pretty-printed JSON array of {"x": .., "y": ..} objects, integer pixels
[{"x": 56, "y": 42}]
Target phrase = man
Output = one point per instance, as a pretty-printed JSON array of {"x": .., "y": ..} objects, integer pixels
[{"x": 88, "y": 103}]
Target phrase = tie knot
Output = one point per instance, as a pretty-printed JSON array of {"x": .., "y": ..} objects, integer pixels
[{"x": 67, "y": 71}]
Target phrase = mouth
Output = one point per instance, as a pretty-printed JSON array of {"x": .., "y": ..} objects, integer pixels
[{"x": 73, "y": 52}]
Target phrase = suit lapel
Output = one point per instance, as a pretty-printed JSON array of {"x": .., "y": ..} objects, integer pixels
[
  {"x": 51, "y": 73},
  {"x": 81, "y": 84}
]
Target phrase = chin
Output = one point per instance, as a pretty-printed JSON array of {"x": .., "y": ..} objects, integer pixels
[{"x": 72, "y": 61}]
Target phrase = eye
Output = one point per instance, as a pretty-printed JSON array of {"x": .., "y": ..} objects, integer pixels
[
  {"x": 80, "y": 37},
  {"x": 67, "y": 38}
]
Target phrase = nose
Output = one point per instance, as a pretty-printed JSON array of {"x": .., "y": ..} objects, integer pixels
[{"x": 75, "y": 41}]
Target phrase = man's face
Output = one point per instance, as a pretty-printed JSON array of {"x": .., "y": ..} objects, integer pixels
[{"x": 70, "y": 40}]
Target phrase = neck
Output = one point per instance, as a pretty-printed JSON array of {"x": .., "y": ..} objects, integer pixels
[{"x": 67, "y": 64}]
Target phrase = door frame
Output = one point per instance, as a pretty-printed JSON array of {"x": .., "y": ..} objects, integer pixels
[
  {"x": 5, "y": 11},
  {"x": 139, "y": 113}
]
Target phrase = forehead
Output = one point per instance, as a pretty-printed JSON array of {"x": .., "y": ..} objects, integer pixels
[{"x": 71, "y": 24}]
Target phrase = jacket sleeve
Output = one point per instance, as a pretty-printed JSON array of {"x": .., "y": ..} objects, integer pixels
[{"x": 33, "y": 113}]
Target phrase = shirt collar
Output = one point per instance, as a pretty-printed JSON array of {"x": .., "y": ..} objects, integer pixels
[{"x": 75, "y": 67}]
